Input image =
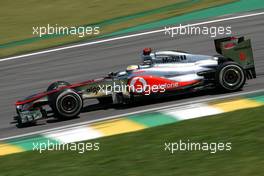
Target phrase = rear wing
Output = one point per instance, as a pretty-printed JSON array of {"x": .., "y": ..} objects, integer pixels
[{"x": 238, "y": 50}]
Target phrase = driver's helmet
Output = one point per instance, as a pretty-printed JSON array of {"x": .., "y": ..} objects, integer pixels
[{"x": 131, "y": 68}]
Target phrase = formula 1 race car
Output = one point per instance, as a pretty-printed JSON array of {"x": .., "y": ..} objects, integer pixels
[{"x": 160, "y": 72}]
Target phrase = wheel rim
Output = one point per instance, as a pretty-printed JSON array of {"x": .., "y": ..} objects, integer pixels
[
  {"x": 232, "y": 77},
  {"x": 69, "y": 104}
]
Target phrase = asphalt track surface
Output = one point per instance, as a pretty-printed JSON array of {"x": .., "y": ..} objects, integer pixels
[{"x": 25, "y": 76}]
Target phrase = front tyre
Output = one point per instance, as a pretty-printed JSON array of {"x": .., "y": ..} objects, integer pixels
[
  {"x": 66, "y": 104},
  {"x": 230, "y": 76}
]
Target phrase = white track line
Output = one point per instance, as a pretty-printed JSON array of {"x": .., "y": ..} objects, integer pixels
[
  {"x": 126, "y": 36},
  {"x": 81, "y": 124}
]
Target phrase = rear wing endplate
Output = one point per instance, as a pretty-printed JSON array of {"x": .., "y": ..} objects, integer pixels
[{"x": 238, "y": 50}]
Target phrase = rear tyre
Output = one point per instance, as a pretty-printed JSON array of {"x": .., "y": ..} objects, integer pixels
[
  {"x": 66, "y": 104},
  {"x": 230, "y": 76}
]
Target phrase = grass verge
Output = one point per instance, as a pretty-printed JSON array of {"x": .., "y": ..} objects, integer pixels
[
  {"x": 142, "y": 153},
  {"x": 18, "y": 18}
]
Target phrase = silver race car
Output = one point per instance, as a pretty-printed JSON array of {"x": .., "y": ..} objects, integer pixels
[{"x": 161, "y": 72}]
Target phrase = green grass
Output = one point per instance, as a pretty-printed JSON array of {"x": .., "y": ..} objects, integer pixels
[
  {"x": 18, "y": 17},
  {"x": 142, "y": 153}
]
